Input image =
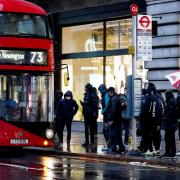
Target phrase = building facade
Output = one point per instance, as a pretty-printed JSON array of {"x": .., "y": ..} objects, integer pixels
[
  {"x": 166, "y": 52},
  {"x": 92, "y": 38}
]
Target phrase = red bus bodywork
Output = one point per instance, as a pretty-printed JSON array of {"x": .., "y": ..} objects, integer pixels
[
  {"x": 11, "y": 135},
  {"x": 21, "y": 6}
]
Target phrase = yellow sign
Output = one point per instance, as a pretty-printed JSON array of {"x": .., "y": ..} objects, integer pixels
[
  {"x": 131, "y": 50},
  {"x": 66, "y": 80}
]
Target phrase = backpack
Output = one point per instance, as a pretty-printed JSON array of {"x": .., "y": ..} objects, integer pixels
[
  {"x": 123, "y": 104},
  {"x": 156, "y": 108}
]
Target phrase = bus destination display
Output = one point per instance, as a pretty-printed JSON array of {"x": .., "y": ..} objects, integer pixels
[{"x": 23, "y": 57}]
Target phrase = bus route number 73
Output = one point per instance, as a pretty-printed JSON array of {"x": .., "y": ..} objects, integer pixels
[{"x": 36, "y": 57}]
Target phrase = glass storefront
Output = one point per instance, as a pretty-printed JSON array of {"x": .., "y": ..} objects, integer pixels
[
  {"x": 83, "y": 38},
  {"x": 117, "y": 70},
  {"x": 111, "y": 69},
  {"x": 81, "y": 72},
  {"x": 118, "y": 34}
]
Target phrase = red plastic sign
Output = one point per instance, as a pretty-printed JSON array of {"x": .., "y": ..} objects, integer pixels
[
  {"x": 144, "y": 21},
  {"x": 134, "y": 9}
]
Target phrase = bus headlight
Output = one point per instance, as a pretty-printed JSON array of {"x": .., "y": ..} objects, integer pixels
[{"x": 49, "y": 133}]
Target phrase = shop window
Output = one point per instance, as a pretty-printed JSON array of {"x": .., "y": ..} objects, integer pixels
[
  {"x": 117, "y": 70},
  {"x": 81, "y": 72},
  {"x": 118, "y": 34},
  {"x": 82, "y": 38}
]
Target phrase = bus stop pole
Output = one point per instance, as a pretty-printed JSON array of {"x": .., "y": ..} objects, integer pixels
[{"x": 134, "y": 24}]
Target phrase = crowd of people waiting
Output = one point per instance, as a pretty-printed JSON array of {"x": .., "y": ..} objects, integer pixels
[{"x": 156, "y": 114}]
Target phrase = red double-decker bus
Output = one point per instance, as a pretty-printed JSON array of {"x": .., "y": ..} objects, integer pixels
[{"x": 26, "y": 75}]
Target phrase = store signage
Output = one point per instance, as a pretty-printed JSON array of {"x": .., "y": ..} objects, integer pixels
[
  {"x": 90, "y": 45},
  {"x": 134, "y": 9},
  {"x": 88, "y": 68},
  {"x": 24, "y": 57},
  {"x": 144, "y": 37}
]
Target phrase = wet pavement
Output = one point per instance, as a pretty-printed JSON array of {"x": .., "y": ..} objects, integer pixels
[
  {"x": 95, "y": 152},
  {"x": 32, "y": 167}
]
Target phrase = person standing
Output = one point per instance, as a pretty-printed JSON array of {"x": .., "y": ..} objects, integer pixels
[
  {"x": 65, "y": 111},
  {"x": 142, "y": 119},
  {"x": 170, "y": 124},
  {"x": 153, "y": 119},
  {"x": 126, "y": 120},
  {"x": 104, "y": 103},
  {"x": 114, "y": 117},
  {"x": 95, "y": 101},
  {"x": 90, "y": 110},
  {"x": 178, "y": 109},
  {"x": 157, "y": 131},
  {"x": 58, "y": 96}
]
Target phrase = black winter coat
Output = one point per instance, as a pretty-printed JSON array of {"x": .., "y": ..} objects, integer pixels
[
  {"x": 90, "y": 104},
  {"x": 170, "y": 116},
  {"x": 66, "y": 109},
  {"x": 178, "y": 105},
  {"x": 114, "y": 109}
]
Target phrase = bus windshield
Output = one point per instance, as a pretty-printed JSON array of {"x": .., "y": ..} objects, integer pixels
[
  {"x": 24, "y": 98},
  {"x": 27, "y": 25}
]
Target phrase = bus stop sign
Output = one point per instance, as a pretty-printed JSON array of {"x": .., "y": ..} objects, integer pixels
[{"x": 134, "y": 9}]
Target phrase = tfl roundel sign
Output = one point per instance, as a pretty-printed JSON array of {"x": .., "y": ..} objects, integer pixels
[
  {"x": 144, "y": 22},
  {"x": 134, "y": 9}
]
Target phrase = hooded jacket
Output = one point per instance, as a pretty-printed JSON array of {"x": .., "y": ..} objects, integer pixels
[
  {"x": 91, "y": 101},
  {"x": 104, "y": 98},
  {"x": 170, "y": 116},
  {"x": 114, "y": 109},
  {"x": 66, "y": 108}
]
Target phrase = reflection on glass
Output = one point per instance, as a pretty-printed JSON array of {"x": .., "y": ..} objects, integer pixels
[
  {"x": 82, "y": 38},
  {"x": 24, "y": 98},
  {"x": 117, "y": 70},
  {"x": 118, "y": 34},
  {"x": 81, "y": 72},
  {"x": 23, "y": 25}
]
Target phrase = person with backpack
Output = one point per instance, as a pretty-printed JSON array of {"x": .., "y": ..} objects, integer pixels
[
  {"x": 104, "y": 103},
  {"x": 125, "y": 119},
  {"x": 90, "y": 112},
  {"x": 160, "y": 116},
  {"x": 153, "y": 121},
  {"x": 170, "y": 124},
  {"x": 142, "y": 119},
  {"x": 65, "y": 111},
  {"x": 114, "y": 118}
]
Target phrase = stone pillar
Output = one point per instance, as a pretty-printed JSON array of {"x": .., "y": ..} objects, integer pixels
[{"x": 166, "y": 53}]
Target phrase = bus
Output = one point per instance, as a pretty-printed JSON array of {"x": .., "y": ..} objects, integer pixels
[{"x": 26, "y": 75}]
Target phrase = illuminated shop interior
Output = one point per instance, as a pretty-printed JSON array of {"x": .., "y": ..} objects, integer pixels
[{"x": 97, "y": 53}]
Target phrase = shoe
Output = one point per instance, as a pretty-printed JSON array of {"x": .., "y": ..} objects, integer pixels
[
  {"x": 68, "y": 143},
  {"x": 148, "y": 153},
  {"x": 60, "y": 146},
  {"x": 112, "y": 150},
  {"x": 105, "y": 149},
  {"x": 166, "y": 155},
  {"x": 85, "y": 144},
  {"x": 126, "y": 146},
  {"x": 141, "y": 149},
  {"x": 154, "y": 152},
  {"x": 157, "y": 153}
]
